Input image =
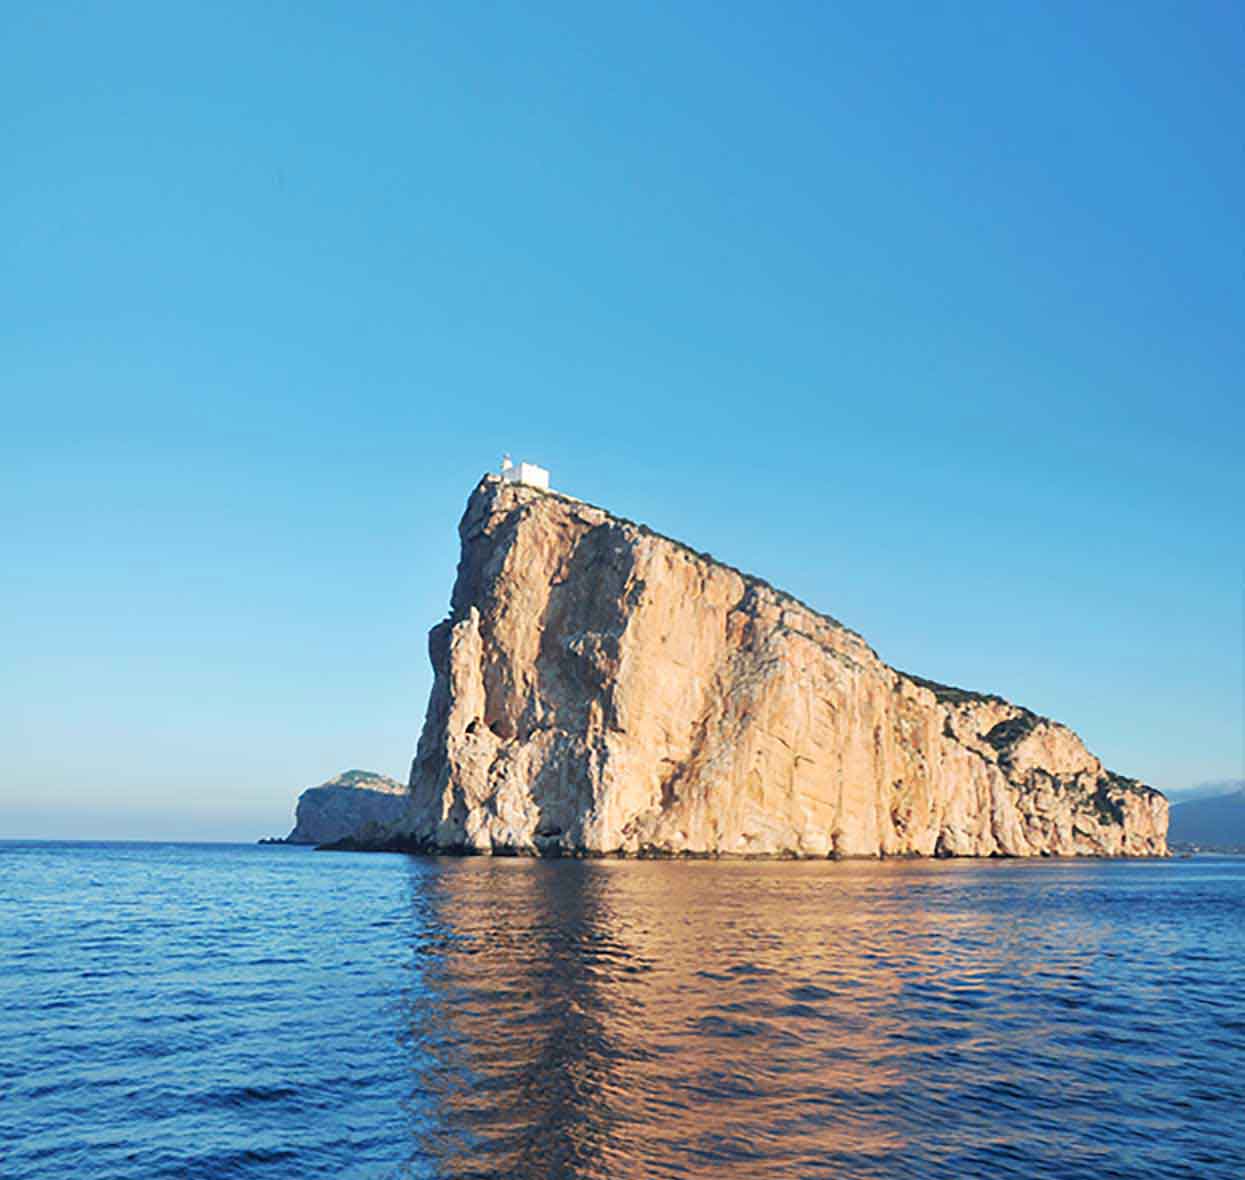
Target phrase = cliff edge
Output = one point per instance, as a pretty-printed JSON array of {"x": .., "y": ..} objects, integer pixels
[{"x": 600, "y": 689}]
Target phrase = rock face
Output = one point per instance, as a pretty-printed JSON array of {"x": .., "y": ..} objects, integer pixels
[
  {"x": 600, "y": 689},
  {"x": 351, "y": 805}
]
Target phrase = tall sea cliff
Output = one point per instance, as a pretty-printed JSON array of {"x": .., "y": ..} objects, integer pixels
[{"x": 600, "y": 689}]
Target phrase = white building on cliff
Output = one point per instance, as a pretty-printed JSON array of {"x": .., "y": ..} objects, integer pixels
[{"x": 527, "y": 473}]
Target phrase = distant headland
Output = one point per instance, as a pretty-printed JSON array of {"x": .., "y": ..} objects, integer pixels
[{"x": 355, "y": 803}]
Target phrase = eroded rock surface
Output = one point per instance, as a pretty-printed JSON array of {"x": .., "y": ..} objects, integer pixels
[
  {"x": 602, "y": 689},
  {"x": 355, "y": 805}
]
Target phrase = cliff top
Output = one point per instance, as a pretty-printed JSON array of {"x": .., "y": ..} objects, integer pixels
[
  {"x": 948, "y": 694},
  {"x": 945, "y": 693},
  {"x": 492, "y": 481},
  {"x": 362, "y": 780}
]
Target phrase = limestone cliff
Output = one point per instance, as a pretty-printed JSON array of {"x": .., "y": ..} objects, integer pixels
[
  {"x": 350, "y": 806},
  {"x": 600, "y": 689}
]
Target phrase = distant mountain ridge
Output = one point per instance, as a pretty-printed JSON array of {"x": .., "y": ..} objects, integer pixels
[
  {"x": 1211, "y": 789},
  {"x": 1211, "y": 822}
]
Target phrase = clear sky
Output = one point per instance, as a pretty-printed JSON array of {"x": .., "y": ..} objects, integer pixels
[{"x": 931, "y": 314}]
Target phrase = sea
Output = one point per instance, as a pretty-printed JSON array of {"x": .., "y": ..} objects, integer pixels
[{"x": 274, "y": 1013}]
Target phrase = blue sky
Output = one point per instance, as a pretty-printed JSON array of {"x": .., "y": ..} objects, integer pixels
[{"x": 931, "y": 314}]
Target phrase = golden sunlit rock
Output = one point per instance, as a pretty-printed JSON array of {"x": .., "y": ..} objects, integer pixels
[{"x": 600, "y": 689}]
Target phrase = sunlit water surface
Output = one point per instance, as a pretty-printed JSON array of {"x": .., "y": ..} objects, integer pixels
[{"x": 222, "y": 1011}]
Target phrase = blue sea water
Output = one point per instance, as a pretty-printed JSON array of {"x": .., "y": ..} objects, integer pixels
[{"x": 226, "y": 1011}]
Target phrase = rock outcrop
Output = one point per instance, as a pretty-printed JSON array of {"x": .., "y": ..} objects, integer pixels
[
  {"x": 355, "y": 805},
  {"x": 600, "y": 689}
]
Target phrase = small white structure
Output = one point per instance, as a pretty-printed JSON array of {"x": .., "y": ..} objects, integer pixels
[{"x": 527, "y": 473}]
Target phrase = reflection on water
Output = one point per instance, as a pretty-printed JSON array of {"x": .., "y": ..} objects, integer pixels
[
  {"x": 600, "y": 1018},
  {"x": 177, "y": 1012}
]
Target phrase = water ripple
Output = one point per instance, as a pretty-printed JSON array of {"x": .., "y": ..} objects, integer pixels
[{"x": 199, "y": 1011}]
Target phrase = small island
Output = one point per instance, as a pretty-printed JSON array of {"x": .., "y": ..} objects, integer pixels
[{"x": 354, "y": 803}]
